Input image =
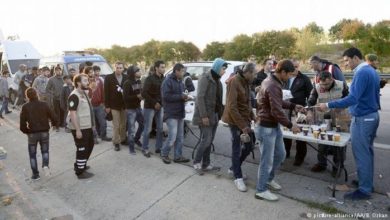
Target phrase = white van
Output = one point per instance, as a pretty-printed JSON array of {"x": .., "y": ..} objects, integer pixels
[{"x": 14, "y": 53}]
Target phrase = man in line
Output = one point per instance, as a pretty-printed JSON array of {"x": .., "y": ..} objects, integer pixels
[
  {"x": 34, "y": 121},
  {"x": 173, "y": 98},
  {"x": 153, "y": 107},
  {"x": 319, "y": 65},
  {"x": 328, "y": 89},
  {"x": 238, "y": 115},
  {"x": 17, "y": 79},
  {"x": 208, "y": 111},
  {"x": 363, "y": 103},
  {"x": 53, "y": 90},
  {"x": 270, "y": 116},
  {"x": 66, "y": 90},
  {"x": 81, "y": 124},
  {"x": 40, "y": 83},
  {"x": 4, "y": 93},
  {"x": 300, "y": 87},
  {"x": 113, "y": 100}
]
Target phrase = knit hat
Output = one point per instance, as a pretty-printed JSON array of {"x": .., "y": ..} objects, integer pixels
[
  {"x": 371, "y": 57},
  {"x": 218, "y": 64}
]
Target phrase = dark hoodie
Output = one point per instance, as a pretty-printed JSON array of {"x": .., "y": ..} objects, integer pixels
[{"x": 131, "y": 88}]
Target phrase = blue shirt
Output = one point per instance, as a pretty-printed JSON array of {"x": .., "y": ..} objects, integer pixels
[{"x": 363, "y": 95}]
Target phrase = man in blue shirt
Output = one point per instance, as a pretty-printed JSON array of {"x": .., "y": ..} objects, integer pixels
[{"x": 363, "y": 103}]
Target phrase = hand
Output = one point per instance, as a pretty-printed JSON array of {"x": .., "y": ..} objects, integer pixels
[
  {"x": 157, "y": 106},
  {"x": 140, "y": 96},
  {"x": 322, "y": 107},
  {"x": 300, "y": 108},
  {"x": 108, "y": 110},
  {"x": 247, "y": 130},
  {"x": 205, "y": 121},
  {"x": 79, "y": 135},
  {"x": 295, "y": 129},
  {"x": 185, "y": 97}
]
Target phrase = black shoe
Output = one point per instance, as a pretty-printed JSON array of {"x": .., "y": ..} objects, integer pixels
[
  {"x": 84, "y": 175},
  {"x": 8, "y": 112},
  {"x": 117, "y": 147},
  {"x": 298, "y": 163},
  {"x": 356, "y": 195},
  {"x": 137, "y": 142},
  {"x": 181, "y": 160},
  {"x": 146, "y": 153},
  {"x": 106, "y": 139},
  {"x": 35, "y": 176},
  {"x": 318, "y": 168},
  {"x": 158, "y": 151},
  {"x": 166, "y": 159}
]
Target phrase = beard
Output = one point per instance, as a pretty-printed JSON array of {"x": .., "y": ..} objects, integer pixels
[{"x": 84, "y": 87}]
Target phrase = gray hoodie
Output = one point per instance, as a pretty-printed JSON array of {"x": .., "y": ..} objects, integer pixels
[{"x": 54, "y": 87}]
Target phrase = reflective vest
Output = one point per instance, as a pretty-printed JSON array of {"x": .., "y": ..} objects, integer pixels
[{"x": 83, "y": 112}]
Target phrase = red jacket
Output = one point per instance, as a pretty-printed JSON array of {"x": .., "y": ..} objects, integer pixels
[{"x": 97, "y": 95}]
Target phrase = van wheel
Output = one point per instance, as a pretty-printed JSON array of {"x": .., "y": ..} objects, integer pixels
[{"x": 12, "y": 96}]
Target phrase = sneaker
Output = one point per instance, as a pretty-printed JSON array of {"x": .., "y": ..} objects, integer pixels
[
  {"x": 132, "y": 152},
  {"x": 181, "y": 159},
  {"x": 117, "y": 147},
  {"x": 273, "y": 185},
  {"x": 198, "y": 168},
  {"x": 166, "y": 159},
  {"x": 356, "y": 195},
  {"x": 211, "y": 167},
  {"x": 84, "y": 175},
  {"x": 137, "y": 142},
  {"x": 158, "y": 151},
  {"x": 240, "y": 185},
  {"x": 35, "y": 176},
  {"x": 318, "y": 168},
  {"x": 106, "y": 139},
  {"x": 267, "y": 195},
  {"x": 231, "y": 174},
  {"x": 146, "y": 153},
  {"x": 46, "y": 170}
]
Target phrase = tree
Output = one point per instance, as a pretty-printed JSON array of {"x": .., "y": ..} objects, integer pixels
[
  {"x": 240, "y": 48},
  {"x": 151, "y": 51},
  {"x": 279, "y": 43},
  {"x": 314, "y": 28},
  {"x": 213, "y": 50}
]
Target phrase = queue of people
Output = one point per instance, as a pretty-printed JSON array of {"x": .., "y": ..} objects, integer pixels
[{"x": 89, "y": 102}]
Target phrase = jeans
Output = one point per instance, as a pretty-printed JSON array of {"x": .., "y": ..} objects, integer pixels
[
  {"x": 206, "y": 140},
  {"x": 84, "y": 147},
  {"x": 4, "y": 106},
  {"x": 363, "y": 133},
  {"x": 148, "y": 118},
  {"x": 272, "y": 154},
  {"x": 43, "y": 139},
  {"x": 175, "y": 137},
  {"x": 100, "y": 119},
  {"x": 337, "y": 152},
  {"x": 238, "y": 155},
  {"x": 140, "y": 120},
  {"x": 131, "y": 115}
]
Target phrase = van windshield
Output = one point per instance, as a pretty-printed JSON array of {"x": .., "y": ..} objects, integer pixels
[
  {"x": 105, "y": 69},
  {"x": 14, "y": 64}
]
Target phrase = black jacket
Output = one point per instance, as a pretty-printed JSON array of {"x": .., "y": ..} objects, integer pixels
[
  {"x": 66, "y": 90},
  {"x": 152, "y": 90},
  {"x": 260, "y": 76},
  {"x": 113, "y": 97},
  {"x": 300, "y": 89},
  {"x": 131, "y": 89},
  {"x": 37, "y": 114}
]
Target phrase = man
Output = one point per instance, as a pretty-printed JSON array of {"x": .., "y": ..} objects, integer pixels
[
  {"x": 113, "y": 100},
  {"x": 40, "y": 83},
  {"x": 208, "y": 111},
  {"x": 173, "y": 98},
  {"x": 270, "y": 116},
  {"x": 34, "y": 121},
  {"x": 372, "y": 60},
  {"x": 53, "y": 90},
  {"x": 4, "y": 93},
  {"x": 81, "y": 124},
  {"x": 363, "y": 103},
  {"x": 238, "y": 115},
  {"x": 132, "y": 98},
  {"x": 28, "y": 79},
  {"x": 97, "y": 101},
  {"x": 300, "y": 87},
  {"x": 263, "y": 73},
  {"x": 18, "y": 78},
  {"x": 153, "y": 107},
  {"x": 66, "y": 90},
  {"x": 319, "y": 65},
  {"x": 328, "y": 89}
]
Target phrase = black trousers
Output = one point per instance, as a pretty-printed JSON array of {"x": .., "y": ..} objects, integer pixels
[
  {"x": 301, "y": 149},
  {"x": 84, "y": 147},
  {"x": 59, "y": 112}
]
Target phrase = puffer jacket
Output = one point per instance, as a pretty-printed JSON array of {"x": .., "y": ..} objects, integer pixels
[{"x": 172, "y": 90}]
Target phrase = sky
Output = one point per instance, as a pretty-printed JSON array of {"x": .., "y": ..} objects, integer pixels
[{"x": 56, "y": 25}]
